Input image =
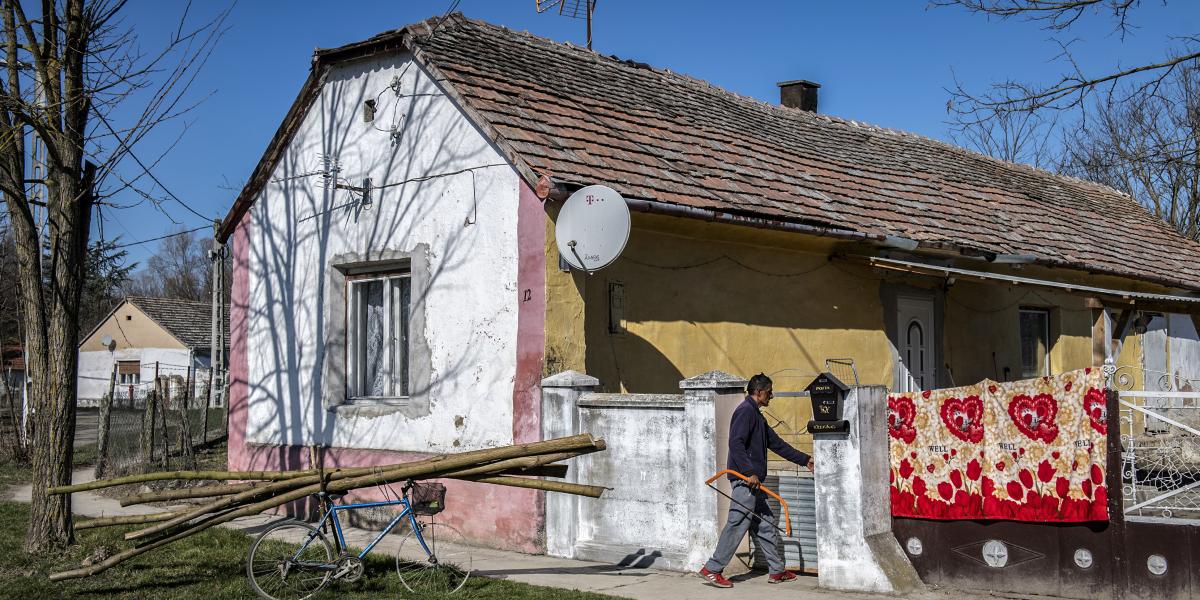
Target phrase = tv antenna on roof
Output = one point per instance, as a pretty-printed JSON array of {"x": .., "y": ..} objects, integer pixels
[
  {"x": 576, "y": 9},
  {"x": 592, "y": 228}
]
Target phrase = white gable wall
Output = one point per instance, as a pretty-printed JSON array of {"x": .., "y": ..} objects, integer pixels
[{"x": 465, "y": 225}]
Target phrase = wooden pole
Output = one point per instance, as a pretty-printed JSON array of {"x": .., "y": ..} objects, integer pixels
[
  {"x": 125, "y": 520},
  {"x": 164, "y": 401},
  {"x": 185, "y": 423},
  {"x": 189, "y": 475},
  {"x": 102, "y": 427},
  {"x": 445, "y": 464},
  {"x": 148, "y": 424},
  {"x": 207, "y": 491},
  {"x": 369, "y": 476}
]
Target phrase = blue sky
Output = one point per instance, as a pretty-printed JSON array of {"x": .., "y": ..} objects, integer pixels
[{"x": 882, "y": 62}]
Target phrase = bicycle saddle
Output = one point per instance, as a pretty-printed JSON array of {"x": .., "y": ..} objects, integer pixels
[{"x": 333, "y": 495}]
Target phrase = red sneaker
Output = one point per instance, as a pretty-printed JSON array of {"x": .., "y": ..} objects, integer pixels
[
  {"x": 781, "y": 577},
  {"x": 717, "y": 579}
]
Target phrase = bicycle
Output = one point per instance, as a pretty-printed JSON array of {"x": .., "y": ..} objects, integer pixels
[{"x": 432, "y": 557}]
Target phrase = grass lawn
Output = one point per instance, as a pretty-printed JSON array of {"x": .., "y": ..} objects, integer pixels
[{"x": 207, "y": 566}]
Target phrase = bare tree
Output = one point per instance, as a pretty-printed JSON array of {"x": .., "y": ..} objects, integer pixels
[
  {"x": 179, "y": 269},
  {"x": 1023, "y": 137},
  {"x": 1149, "y": 150},
  {"x": 1073, "y": 87},
  {"x": 66, "y": 70}
]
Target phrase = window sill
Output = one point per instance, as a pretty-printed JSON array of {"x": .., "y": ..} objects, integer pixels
[
  {"x": 377, "y": 406},
  {"x": 378, "y": 401}
]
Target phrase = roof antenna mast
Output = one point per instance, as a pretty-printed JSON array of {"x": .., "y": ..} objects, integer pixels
[{"x": 575, "y": 9}]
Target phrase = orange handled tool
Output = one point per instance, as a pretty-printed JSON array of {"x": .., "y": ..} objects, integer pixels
[{"x": 786, "y": 516}]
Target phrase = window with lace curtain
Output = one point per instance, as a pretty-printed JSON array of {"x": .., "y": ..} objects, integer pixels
[{"x": 377, "y": 341}]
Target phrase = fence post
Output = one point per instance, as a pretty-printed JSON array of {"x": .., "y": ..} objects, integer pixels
[
  {"x": 185, "y": 423},
  {"x": 148, "y": 424},
  {"x": 207, "y": 405},
  {"x": 102, "y": 427},
  {"x": 164, "y": 400}
]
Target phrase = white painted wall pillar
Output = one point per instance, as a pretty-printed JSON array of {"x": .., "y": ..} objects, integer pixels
[
  {"x": 707, "y": 437},
  {"x": 560, "y": 418},
  {"x": 856, "y": 550}
]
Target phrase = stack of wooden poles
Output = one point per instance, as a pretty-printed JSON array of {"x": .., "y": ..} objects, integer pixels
[{"x": 265, "y": 490}]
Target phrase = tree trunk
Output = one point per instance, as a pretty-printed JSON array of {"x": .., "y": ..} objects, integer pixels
[
  {"x": 55, "y": 354},
  {"x": 102, "y": 426}
]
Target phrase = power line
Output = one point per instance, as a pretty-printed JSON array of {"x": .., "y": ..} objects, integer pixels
[
  {"x": 163, "y": 237},
  {"x": 146, "y": 169}
]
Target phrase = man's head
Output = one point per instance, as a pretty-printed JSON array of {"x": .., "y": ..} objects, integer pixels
[{"x": 760, "y": 389}]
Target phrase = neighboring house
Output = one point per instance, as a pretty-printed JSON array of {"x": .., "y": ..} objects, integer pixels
[
  {"x": 397, "y": 289},
  {"x": 144, "y": 334},
  {"x": 15, "y": 381}
]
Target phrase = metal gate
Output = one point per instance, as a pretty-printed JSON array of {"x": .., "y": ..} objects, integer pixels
[{"x": 1160, "y": 442}]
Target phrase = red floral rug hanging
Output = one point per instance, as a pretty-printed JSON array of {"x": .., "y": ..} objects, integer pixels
[{"x": 1031, "y": 450}]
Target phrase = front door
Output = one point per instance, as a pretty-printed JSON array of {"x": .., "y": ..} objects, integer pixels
[{"x": 916, "y": 369}]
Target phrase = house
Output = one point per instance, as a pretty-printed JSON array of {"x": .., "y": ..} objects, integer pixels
[
  {"x": 397, "y": 289},
  {"x": 15, "y": 381},
  {"x": 142, "y": 336}
]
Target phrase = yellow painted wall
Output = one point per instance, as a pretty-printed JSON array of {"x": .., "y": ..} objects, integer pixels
[
  {"x": 982, "y": 319},
  {"x": 700, "y": 296},
  {"x": 130, "y": 328}
]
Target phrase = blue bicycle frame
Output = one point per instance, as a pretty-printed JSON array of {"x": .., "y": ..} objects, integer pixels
[{"x": 331, "y": 514}]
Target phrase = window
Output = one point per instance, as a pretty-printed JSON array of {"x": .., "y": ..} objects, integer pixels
[
  {"x": 129, "y": 372},
  {"x": 1035, "y": 342},
  {"x": 616, "y": 307},
  {"x": 377, "y": 335}
]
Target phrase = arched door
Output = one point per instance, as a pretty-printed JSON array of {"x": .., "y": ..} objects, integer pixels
[{"x": 916, "y": 368}]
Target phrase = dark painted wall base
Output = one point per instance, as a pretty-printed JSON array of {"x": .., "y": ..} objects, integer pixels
[{"x": 1053, "y": 559}]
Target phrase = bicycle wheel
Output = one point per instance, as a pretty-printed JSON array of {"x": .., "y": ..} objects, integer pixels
[
  {"x": 443, "y": 570},
  {"x": 279, "y": 569}
]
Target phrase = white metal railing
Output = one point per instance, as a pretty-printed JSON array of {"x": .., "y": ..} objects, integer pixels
[{"x": 1160, "y": 442}]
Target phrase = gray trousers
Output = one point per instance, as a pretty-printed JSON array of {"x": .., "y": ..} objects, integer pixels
[{"x": 740, "y": 521}]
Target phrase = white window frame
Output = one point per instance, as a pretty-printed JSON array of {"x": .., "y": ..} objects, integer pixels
[
  {"x": 1044, "y": 368},
  {"x": 398, "y": 346}
]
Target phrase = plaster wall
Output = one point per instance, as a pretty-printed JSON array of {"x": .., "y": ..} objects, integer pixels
[
  {"x": 129, "y": 327},
  {"x": 95, "y": 368},
  {"x": 692, "y": 305},
  {"x": 982, "y": 319},
  {"x": 463, "y": 227}
]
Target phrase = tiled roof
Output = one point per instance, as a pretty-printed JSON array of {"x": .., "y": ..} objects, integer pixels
[
  {"x": 656, "y": 135},
  {"x": 189, "y": 321}
]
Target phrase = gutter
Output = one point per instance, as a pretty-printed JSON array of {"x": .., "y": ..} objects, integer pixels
[{"x": 705, "y": 214}]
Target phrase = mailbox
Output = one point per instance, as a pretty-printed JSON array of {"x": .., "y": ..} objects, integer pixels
[{"x": 827, "y": 394}]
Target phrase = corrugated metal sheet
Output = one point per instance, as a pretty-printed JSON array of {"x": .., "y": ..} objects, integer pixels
[{"x": 800, "y": 549}]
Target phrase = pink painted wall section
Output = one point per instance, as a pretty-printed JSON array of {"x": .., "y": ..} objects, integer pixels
[
  {"x": 490, "y": 515},
  {"x": 239, "y": 368},
  {"x": 531, "y": 317}
]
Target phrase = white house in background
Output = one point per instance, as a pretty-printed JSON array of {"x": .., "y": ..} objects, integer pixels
[{"x": 142, "y": 334}]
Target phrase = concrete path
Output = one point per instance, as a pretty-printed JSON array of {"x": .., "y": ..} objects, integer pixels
[{"x": 627, "y": 582}]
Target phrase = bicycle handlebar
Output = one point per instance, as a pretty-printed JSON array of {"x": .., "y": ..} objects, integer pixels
[{"x": 786, "y": 515}]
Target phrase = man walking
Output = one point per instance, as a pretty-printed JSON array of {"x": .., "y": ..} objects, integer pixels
[{"x": 749, "y": 439}]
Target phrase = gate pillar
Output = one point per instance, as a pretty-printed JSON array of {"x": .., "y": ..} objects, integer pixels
[{"x": 856, "y": 550}]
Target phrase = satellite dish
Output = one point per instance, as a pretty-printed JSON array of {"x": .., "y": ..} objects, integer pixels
[
  {"x": 592, "y": 228},
  {"x": 107, "y": 341}
]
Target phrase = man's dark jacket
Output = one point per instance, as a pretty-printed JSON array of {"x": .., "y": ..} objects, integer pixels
[{"x": 749, "y": 439}]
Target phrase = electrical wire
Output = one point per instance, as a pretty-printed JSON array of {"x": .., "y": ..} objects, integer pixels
[
  {"x": 162, "y": 237},
  {"x": 146, "y": 169}
]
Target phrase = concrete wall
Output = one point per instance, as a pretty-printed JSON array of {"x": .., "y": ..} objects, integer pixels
[
  {"x": 129, "y": 327},
  {"x": 660, "y": 449}
]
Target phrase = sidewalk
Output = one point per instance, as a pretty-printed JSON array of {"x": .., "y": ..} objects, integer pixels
[{"x": 623, "y": 581}]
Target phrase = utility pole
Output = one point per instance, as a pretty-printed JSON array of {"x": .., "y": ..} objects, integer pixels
[{"x": 217, "y": 346}]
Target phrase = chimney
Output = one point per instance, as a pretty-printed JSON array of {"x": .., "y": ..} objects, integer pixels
[{"x": 799, "y": 93}]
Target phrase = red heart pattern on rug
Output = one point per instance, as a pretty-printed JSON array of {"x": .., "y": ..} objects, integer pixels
[
  {"x": 901, "y": 412},
  {"x": 1034, "y": 416},
  {"x": 1095, "y": 404},
  {"x": 964, "y": 418}
]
